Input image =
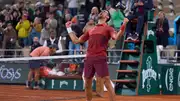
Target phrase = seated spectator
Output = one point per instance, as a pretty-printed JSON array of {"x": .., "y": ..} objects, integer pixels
[
  {"x": 140, "y": 8},
  {"x": 127, "y": 11},
  {"x": 53, "y": 40},
  {"x": 35, "y": 30},
  {"x": 23, "y": 30},
  {"x": 35, "y": 44}
]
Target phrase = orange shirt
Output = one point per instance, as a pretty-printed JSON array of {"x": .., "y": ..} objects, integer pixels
[{"x": 40, "y": 51}]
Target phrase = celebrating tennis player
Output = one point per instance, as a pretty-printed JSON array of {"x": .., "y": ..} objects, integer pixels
[{"x": 96, "y": 57}]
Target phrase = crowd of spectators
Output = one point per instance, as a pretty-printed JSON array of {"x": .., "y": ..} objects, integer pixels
[{"x": 24, "y": 25}]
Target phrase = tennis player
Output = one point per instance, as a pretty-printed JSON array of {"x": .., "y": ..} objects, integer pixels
[
  {"x": 96, "y": 56},
  {"x": 35, "y": 64}
]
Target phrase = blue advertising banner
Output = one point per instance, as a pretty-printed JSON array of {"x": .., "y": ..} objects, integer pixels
[{"x": 13, "y": 73}]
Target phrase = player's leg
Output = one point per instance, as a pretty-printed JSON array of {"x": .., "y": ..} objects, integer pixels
[
  {"x": 109, "y": 88},
  {"x": 89, "y": 72},
  {"x": 36, "y": 86},
  {"x": 30, "y": 76},
  {"x": 99, "y": 86},
  {"x": 88, "y": 88},
  {"x": 102, "y": 71}
]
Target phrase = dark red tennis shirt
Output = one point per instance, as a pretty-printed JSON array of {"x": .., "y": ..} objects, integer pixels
[{"x": 98, "y": 38}]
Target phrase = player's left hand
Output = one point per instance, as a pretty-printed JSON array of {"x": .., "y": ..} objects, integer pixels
[{"x": 68, "y": 24}]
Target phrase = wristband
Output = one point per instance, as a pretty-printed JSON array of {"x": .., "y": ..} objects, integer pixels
[
  {"x": 122, "y": 27},
  {"x": 69, "y": 30}
]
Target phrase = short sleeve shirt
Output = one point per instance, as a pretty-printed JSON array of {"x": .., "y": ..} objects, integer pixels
[
  {"x": 40, "y": 51},
  {"x": 98, "y": 38}
]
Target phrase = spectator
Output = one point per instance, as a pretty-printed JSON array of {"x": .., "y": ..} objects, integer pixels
[
  {"x": 16, "y": 18},
  {"x": 8, "y": 18},
  {"x": 38, "y": 14},
  {"x": 140, "y": 8},
  {"x": 35, "y": 30},
  {"x": 30, "y": 11},
  {"x": 10, "y": 38},
  {"x": 162, "y": 29},
  {"x": 89, "y": 25},
  {"x": 46, "y": 7},
  {"x": 73, "y": 6},
  {"x": 60, "y": 19},
  {"x": 35, "y": 44},
  {"x": 1, "y": 34},
  {"x": 23, "y": 30},
  {"x": 115, "y": 21},
  {"x": 60, "y": 10},
  {"x": 111, "y": 11},
  {"x": 45, "y": 34},
  {"x": 92, "y": 3},
  {"x": 53, "y": 40},
  {"x": 82, "y": 16},
  {"x": 116, "y": 16},
  {"x": 94, "y": 14},
  {"x": 75, "y": 48},
  {"x": 113, "y": 55},
  {"x": 52, "y": 22},
  {"x": 129, "y": 4}
]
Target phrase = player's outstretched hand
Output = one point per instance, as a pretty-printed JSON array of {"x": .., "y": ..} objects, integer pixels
[{"x": 68, "y": 24}]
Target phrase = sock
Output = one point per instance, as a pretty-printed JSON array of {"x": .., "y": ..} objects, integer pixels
[
  {"x": 28, "y": 83},
  {"x": 36, "y": 83}
]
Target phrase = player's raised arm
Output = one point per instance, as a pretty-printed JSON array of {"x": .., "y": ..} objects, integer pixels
[
  {"x": 117, "y": 36},
  {"x": 73, "y": 36}
]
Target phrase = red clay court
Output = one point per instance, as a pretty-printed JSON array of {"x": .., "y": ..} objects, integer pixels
[{"x": 19, "y": 93}]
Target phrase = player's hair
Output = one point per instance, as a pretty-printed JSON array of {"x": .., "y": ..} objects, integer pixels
[{"x": 109, "y": 16}]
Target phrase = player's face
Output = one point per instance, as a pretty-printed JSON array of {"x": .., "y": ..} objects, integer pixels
[{"x": 103, "y": 14}]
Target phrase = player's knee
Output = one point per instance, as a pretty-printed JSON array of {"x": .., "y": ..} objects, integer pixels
[{"x": 88, "y": 83}]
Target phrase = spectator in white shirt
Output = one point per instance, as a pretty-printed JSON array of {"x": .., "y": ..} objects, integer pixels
[{"x": 73, "y": 6}]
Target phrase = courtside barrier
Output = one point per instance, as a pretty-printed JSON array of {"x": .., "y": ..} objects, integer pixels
[
  {"x": 13, "y": 73},
  {"x": 169, "y": 78}
]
